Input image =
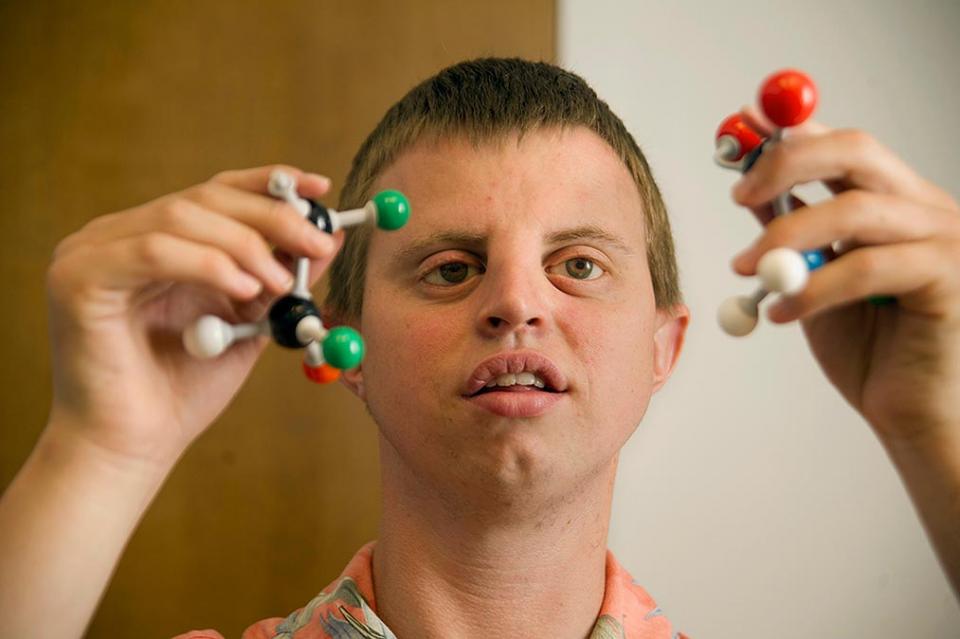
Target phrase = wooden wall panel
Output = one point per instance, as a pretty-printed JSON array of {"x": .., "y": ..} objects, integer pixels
[{"x": 105, "y": 105}]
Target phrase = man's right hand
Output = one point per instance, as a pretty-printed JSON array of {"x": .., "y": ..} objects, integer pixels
[{"x": 124, "y": 287}]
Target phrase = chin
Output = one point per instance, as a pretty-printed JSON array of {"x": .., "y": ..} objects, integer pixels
[
  {"x": 521, "y": 468},
  {"x": 496, "y": 464}
]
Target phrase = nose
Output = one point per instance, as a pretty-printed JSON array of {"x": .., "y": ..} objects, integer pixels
[{"x": 515, "y": 300}]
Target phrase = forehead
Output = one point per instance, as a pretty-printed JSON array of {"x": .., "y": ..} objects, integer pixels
[{"x": 548, "y": 180}]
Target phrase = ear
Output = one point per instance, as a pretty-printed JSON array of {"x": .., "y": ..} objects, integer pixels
[
  {"x": 668, "y": 341},
  {"x": 353, "y": 379}
]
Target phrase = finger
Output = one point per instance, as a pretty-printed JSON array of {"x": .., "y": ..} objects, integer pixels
[
  {"x": 850, "y": 158},
  {"x": 918, "y": 274},
  {"x": 853, "y": 218},
  {"x": 274, "y": 219},
  {"x": 189, "y": 221},
  {"x": 245, "y": 245},
  {"x": 204, "y": 212},
  {"x": 317, "y": 265},
  {"x": 255, "y": 309},
  {"x": 182, "y": 217},
  {"x": 256, "y": 180},
  {"x": 765, "y": 213},
  {"x": 756, "y": 120},
  {"x": 131, "y": 263}
]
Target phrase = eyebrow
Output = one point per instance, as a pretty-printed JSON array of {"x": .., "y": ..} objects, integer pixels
[
  {"x": 478, "y": 241},
  {"x": 589, "y": 232},
  {"x": 415, "y": 249}
]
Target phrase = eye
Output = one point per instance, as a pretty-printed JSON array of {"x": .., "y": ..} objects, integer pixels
[
  {"x": 451, "y": 273},
  {"x": 582, "y": 268}
]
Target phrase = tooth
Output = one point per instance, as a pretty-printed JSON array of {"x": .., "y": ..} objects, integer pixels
[
  {"x": 491, "y": 383},
  {"x": 507, "y": 379},
  {"x": 526, "y": 378},
  {"x": 539, "y": 383}
]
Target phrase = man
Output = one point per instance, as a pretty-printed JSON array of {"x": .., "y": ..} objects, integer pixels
[{"x": 516, "y": 330}]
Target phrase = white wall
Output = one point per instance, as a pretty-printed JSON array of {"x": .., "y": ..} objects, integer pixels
[{"x": 753, "y": 501}]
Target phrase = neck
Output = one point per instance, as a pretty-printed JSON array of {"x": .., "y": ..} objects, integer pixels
[{"x": 516, "y": 568}]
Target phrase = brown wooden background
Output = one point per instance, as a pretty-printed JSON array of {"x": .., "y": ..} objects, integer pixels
[{"x": 107, "y": 104}]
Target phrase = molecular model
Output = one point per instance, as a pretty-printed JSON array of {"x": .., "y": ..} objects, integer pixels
[
  {"x": 294, "y": 320},
  {"x": 787, "y": 98}
]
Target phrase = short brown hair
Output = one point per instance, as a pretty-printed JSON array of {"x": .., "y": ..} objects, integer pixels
[{"x": 485, "y": 100}]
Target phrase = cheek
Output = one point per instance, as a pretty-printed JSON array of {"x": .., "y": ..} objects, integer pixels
[
  {"x": 615, "y": 342},
  {"x": 614, "y": 348},
  {"x": 406, "y": 350},
  {"x": 410, "y": 390}
]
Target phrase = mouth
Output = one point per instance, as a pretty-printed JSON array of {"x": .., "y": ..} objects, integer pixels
[
  {"x": 524, "y": 382},
  {"x": 516, "y": 384}
]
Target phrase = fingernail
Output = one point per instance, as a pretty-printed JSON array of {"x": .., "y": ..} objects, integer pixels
[
  {"x": 782, "y": 311},
  {"x": 281, "y": 276},
  {"x": 741, "y": 190},
  {"x": 739, "y": 263},
  {"x": 743, "y": 260},
  {"x": 322, "y": 178}
]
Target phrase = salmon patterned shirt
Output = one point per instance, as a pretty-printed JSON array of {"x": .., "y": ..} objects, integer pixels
[{"x": 346, "y": 609}]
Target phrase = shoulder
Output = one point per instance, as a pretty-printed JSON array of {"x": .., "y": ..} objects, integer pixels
[{"x": 628, "y": 610}]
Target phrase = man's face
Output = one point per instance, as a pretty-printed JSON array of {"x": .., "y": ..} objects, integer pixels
[{"x": 518, "y": 256}]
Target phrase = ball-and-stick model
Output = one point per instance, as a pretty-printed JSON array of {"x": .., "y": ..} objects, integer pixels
[
  {"x": 293, "y": 320},
  {"x": 787, "y": 98}
]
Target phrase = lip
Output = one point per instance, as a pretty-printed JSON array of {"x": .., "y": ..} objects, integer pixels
[
  {"x": 516, "y": 401},
  {"x": 515, "y": 362}
]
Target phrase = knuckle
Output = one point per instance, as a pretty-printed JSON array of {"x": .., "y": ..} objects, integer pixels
[
  {"x": 250, "y": 242},
  {"x": 57, "y": 273},
  {"x": 864, "y": 266},
  {"x": 945, "y": 200},
  {"x": 100, "y": 222},
  {"x": 804, "y": 301},
  {"x": 281, "y": 216},
  {"x": 779, "y": 229},
  {"x": 199, "y": 193},
  {"x": 778, "y": 158},
  {"x": 857, "y": 199},
  {"x": 217, "y": 264},
  {"x": 859, "y": 140},
  {"x": 858, "y": 209},
  {"x": 64, "y": 246},
  {"x": 65, "y": 278},
  {"x": 949, "y": 202},
  {"x": 945, "y": 265},
  {"x": 855, "y": 204},
  {"x": 175, "y": 214},
  {"x": 207, "y": 194},
  {"x": 278, "y": 211},
  {"x": 949, "y": 254},
  {"x": 151, "y": 247},
  {"x": 222, "y": 177}
]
